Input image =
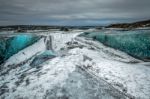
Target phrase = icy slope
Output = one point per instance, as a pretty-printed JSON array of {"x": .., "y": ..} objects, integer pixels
[
  {"x": 58, "y": 78},
  {"x": 125, "y": 73},
  {"x": 82, "y": 69}
]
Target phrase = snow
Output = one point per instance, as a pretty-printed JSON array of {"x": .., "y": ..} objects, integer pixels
[
  {"x": 48, "y": 79},
  {"x": 121, "y": 73},
  {"x": 107, "y": 73},
  {"x": 60, "y": 38}
]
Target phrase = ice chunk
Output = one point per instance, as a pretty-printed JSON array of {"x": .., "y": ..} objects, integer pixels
[
  {"x": 12, "y": 45},
  {"x": 42, "y": 58}
]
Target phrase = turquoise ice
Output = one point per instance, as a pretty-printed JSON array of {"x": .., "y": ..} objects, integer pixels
[
  {"x": 12, "y": 45},
  {"x": 135, "y": 43},
  {"x": 48, "y": 54}
]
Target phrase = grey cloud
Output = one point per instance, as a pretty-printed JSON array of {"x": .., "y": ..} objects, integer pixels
[{"x": 66, "y": 12}]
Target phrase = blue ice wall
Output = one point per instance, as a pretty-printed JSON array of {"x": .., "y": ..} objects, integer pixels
[
  {"x": 135, "y": 43},
  {"x": 12, "y": 45}
]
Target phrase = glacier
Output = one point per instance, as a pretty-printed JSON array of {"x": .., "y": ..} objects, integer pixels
[{"x": 66, "y": 65}]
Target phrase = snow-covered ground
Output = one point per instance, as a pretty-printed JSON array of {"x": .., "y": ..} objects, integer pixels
[
  {"x": 83, "y": 69},
  {"x": 120, "y": 70}
]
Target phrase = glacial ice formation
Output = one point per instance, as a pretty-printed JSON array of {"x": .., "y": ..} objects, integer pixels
[
  {"x": 135, "y": 43},
  {"x": 11, "y": 45}
]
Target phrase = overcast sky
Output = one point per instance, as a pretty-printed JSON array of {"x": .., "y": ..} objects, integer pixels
[{"x": 72, "y": 12}]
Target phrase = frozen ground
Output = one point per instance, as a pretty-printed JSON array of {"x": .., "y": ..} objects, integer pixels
[{"x": 83, "y": 69}]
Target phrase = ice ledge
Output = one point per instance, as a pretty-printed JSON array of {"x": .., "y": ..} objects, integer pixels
[{"x": 26, "y": 53}]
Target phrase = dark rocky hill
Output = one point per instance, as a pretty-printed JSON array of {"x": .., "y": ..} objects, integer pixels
[{"x": 145, "y": 23}]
